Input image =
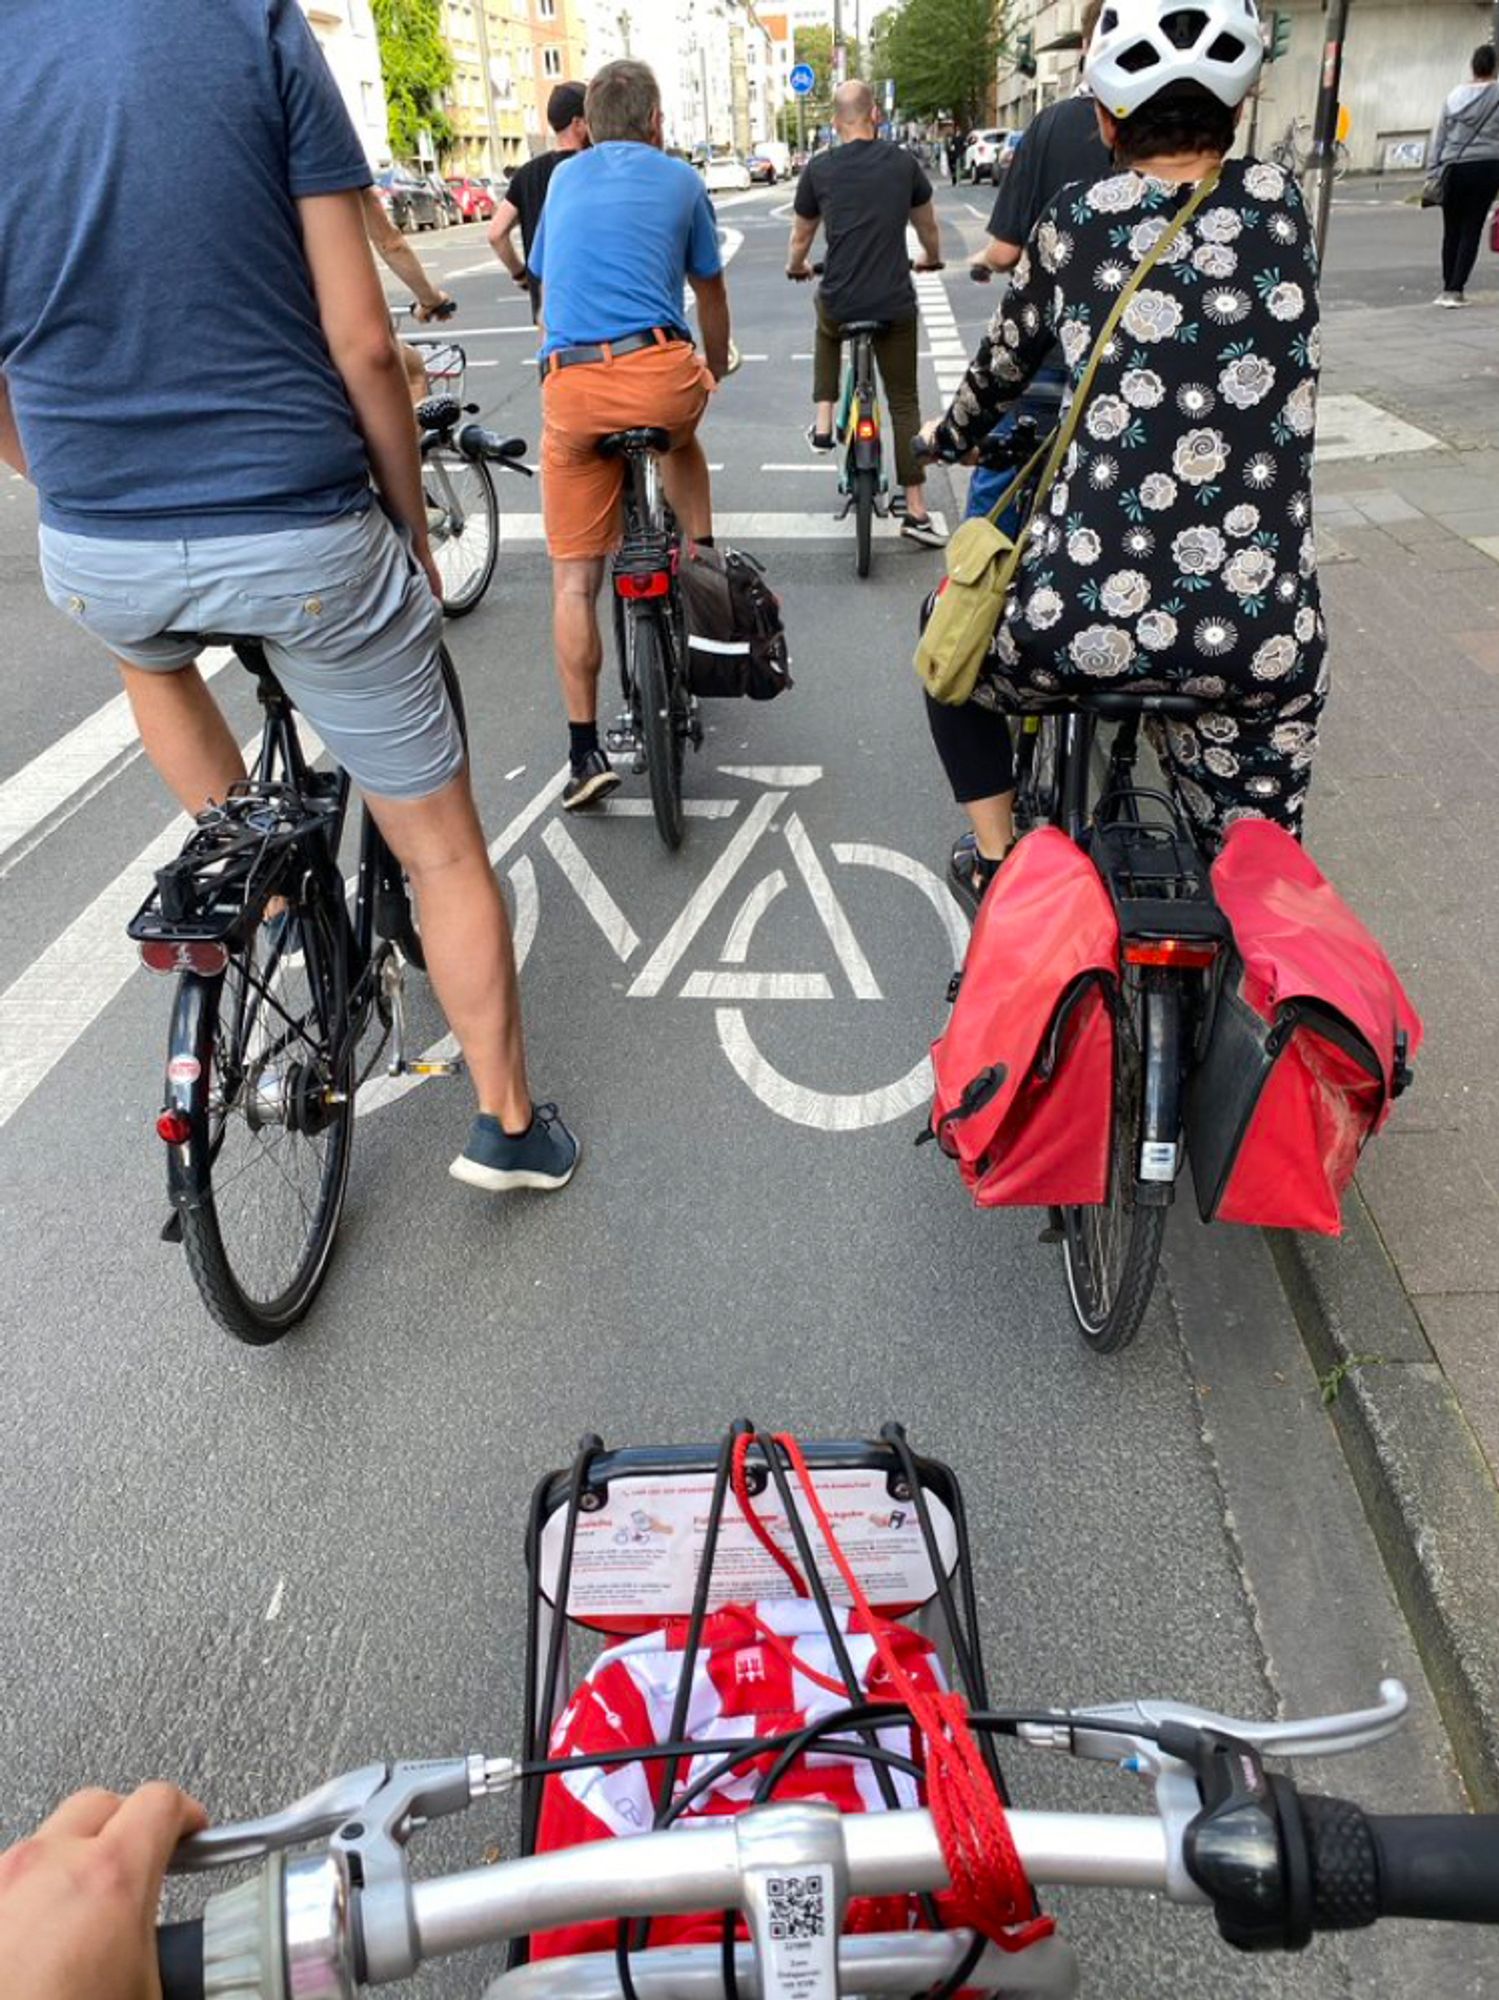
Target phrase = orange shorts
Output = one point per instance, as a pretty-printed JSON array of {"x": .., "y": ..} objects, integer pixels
[{"x": 580, "y": 490}]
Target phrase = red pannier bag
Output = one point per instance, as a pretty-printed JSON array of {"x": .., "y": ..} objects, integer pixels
[
  {"x": 1309, "y": 1046},
  {"x": 760, "y": 1670},
  {"x": 1025, "y": 1072}
]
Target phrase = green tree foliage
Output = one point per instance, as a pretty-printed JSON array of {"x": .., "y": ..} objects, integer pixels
[
  {"x": 943, "y": 55},
  {"x": 417, "y": 68}
]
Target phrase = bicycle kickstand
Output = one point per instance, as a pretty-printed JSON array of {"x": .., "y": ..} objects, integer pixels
[{"x": 393, "y": 982}]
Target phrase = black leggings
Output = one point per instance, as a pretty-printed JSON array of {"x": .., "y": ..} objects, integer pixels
[
  {"x": 973, "y": 741},
  {"x": 1472, "y": 186}
]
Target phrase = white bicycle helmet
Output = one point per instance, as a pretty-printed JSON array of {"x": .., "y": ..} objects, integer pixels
[{"x": 1142, "y": 47}]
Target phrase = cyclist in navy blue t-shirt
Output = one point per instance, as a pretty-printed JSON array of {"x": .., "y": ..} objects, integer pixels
[{"x": 202, "y": 416}]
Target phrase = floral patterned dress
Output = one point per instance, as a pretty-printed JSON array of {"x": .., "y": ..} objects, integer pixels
[{"x": 1176, "y": 551}]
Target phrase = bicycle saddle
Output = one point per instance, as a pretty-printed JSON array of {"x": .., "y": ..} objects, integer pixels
[
  {"x": 622, "y": 444},
  {"x": 853, "y": 327}
]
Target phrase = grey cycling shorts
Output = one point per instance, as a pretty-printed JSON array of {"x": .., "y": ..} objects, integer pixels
[{"x": 349, "y": 623}]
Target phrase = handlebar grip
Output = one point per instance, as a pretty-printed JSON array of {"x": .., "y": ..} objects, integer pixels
[
  {"x": 179, "y": 1956},
  {"x": 1439, "y": 1865}
]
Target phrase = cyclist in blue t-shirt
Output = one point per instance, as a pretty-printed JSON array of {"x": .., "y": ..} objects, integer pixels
[{"x": 623, "y": 231}]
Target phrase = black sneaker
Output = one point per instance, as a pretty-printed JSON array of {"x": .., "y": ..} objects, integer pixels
[
  {"x": 591, "y": 781},
  {"x": 545, "y": 1156},
  {"x": 819, "y": 440},
  {"x": 970, "y": 872}
]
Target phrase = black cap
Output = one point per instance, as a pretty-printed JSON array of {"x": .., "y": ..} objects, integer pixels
[{"x": 564, "y": 105}]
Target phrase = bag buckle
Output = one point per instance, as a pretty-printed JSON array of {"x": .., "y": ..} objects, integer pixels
[{"x": 1402, "y": 1075}]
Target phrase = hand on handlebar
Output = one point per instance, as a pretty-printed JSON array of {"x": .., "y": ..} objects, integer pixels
[
  {"x": 443, "y": 307},
  {"x": 921, "y": 264},
  {"x": 78, "y": 1899},
  {"x": 800, "y": 274}
]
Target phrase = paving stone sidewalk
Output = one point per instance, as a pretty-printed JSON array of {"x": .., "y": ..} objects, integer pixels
[{"x": 1403, "y": 817}]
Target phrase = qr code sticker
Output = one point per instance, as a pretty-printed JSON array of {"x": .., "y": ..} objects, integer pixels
[{"x": 796, "y": 1908}]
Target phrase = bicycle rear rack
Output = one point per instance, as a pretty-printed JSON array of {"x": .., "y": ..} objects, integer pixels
[
  {"x": 238, "y": 855},
  {"x": 1158, "y": 882}
]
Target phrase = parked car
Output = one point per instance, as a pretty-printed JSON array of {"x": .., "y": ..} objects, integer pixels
[
  {"x": 981, "y": 154},
  {"x": 475, "y": 202},
  {"x": 762, "y": 172},
  {"x": 448, "y": 210},
  {"x": 409, "y": 202},
  {"x": 779, "y": 155},
  {"x": 726, "y": 176},
  {"x": 1007, "y": 153}
]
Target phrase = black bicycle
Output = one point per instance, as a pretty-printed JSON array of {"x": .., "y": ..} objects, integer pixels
[
  {"x": 862, "y": 481},
  {"x": 1172, "y": 934},
  {"x": 661, "y": 715},
  {"x": 279, "y": 982}
]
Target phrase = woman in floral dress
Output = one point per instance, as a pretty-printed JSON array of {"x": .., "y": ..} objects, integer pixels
[{"x": 1176, "y": 550}]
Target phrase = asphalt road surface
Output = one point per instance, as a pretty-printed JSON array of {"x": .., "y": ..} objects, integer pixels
[{"x": 252, "y": 1568}]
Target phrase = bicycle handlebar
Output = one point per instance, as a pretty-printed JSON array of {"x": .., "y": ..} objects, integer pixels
[
  {"x": 1275, "y": 1866},
  {"x": 811, "y": 271}
]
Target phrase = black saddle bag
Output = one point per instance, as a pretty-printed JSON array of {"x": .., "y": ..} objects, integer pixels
[{"x": 736, "y": 642}]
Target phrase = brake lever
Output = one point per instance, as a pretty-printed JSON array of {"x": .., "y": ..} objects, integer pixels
[
  {"x": 1111, "y": 1732},
  {"x": 401, "y": 1797}
]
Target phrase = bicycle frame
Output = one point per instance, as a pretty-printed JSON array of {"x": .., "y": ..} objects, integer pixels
[{"x": 859, "y": 415}]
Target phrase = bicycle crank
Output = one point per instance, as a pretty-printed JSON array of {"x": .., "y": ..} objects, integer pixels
[{"x": 393, "y": 1007}]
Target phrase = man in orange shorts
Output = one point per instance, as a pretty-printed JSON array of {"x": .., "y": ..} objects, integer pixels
[{"x": 623, "y": 231}]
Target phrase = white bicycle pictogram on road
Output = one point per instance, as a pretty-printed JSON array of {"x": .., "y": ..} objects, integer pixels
[{"x": 730, "y": 983}]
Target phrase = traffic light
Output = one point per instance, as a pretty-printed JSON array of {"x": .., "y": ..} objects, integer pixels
[
  {"x": 1025, "y": 54},
  {"x": 1279, "y": 38}
]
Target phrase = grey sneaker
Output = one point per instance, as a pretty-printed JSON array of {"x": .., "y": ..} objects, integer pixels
[
  {"x": 1449, "y": 301},
  {"x": 546, "y": 1156},
  {"x": 590, "y": 781},
  {"x": 923, "y": 529}
]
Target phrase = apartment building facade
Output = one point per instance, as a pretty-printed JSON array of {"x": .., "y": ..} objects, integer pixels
[{"x": 346, "y": 31}]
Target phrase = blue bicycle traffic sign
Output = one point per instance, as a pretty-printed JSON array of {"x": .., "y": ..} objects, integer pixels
[{"x": 803, "y": 79}]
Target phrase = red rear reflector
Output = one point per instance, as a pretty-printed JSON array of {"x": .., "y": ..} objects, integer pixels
[
  {"x": 184, "y": 955},
  {"x": 867, "y": 428},
  {"x": 175, "y": 1127},
  {"x": 654, "y": 583},
  {"x": 1185, "y": 954}
]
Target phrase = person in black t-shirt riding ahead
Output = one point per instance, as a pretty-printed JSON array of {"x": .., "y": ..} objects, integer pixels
[
  {"x": 865, "y": 193},
  {"x": 527, "y": 191}
]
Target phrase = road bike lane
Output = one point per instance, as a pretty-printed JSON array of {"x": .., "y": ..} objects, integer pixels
[{"x": 277, "y": 1563}]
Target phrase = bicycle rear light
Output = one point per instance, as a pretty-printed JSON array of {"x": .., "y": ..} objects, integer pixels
[
  {"x": 1179, "y": 954},
  {"x": 866, "y": 429},
  {"x": 640, "y": 584},
  {"x": 200, "y": 955},
  {"x": 175, "y": 1127}
]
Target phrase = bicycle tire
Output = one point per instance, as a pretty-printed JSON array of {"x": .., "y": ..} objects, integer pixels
[
  {"x": 465, "y": 561},
  {"x": 660, "y": 737},
  {"x": 1109, "y": 1305},
  {"x": 404, "y": 931},
  {"x": 215, "y": 1021},
  {"x": 864, "y": 492},
  {"x": 1037, "y": 758}
]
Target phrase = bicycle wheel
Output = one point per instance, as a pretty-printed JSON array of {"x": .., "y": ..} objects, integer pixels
[
  {"x": 1112, "y": 1251},
  {"x": 660, "y": 736},
  {"x": 260, "y": 1186},
  {"x": 865, "y": 483},
  {"x": 402, "y": 928},
  {"x": 463, "y": 515},
  {"x": 1037, "y": 755}
]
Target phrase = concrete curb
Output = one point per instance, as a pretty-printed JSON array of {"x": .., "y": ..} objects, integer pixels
[{"x": 1423, "y": 1479}]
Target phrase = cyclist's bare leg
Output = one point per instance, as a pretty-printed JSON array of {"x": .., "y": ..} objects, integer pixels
[
  {"x": 183, "y": 734},
  {"x": 993, "y": 822},
  {"x": 575, "y": 627},
  {"x": 824, "y": 419},
  {"x": 416, "y": 373},
  {"x": 466, "y": 937},
  {"x": 689, "y": 488}
]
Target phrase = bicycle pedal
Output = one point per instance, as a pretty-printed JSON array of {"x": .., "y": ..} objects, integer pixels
[
  {"x": 1055, "y": 1230},
  {"x": 171, "y": 1229},
  {"x": 454, "y": 1068}
]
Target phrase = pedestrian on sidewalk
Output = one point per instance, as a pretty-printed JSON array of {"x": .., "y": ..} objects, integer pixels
[
  {"x": 1465, "y": 152},
  {"x": 527, "y": 192},
  {"x": 262, "y": 478}
]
